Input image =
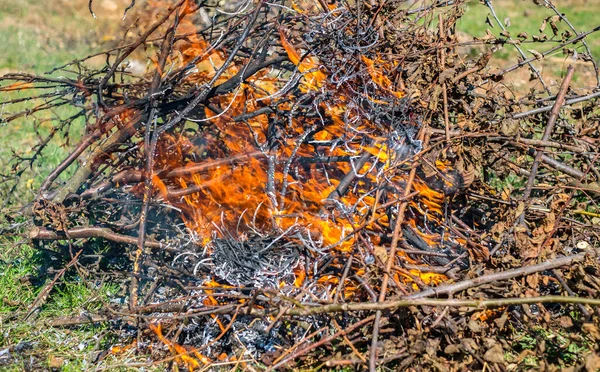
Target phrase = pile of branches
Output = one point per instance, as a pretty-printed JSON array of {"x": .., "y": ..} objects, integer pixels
[{"x": 298, "y": 183}]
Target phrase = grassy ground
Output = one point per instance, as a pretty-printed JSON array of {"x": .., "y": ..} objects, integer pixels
[
  {"x": 40, "y": 35},
  {"x": 37, "y": 36},
  {"x": 525, "y": 16}
]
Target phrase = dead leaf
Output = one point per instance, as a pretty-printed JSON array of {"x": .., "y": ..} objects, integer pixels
[
  {"x": 469, "y": 344},
  {"x": 452, "y": 349},
  {"x": 592, "y": 362},
  {"x": 553, "y": 25},
  {"x": 536, "y": 54},
  {"x": 500, "y": 322},
  {"x": 566, "y": 321},
  {"x": 474, "y": 326},
  {"x": 522, "y": 355},
  {"x": 495, "y": 354},
  {"x": 55, "y": 362},
  {"x": 529, "y": 247},
  {"x": 549, "y": 222},
  {"x": 381, "y": 253},
  {"x": 545, "y": 280},
  {"x": 468, "y": 176},
  {"x": 488, "y": 36},
  {"x": 558, "y": 201},
  {"x": 591, "y": 330},
  {"x": 533, "y": 281},
  {"x": 509, "y": 127},
  {"x": 520, "y": 209}
]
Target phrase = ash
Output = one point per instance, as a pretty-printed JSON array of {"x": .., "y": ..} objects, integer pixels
[
  {"x": 255, "y": 262},
  {"x": 251, "y": 333}
]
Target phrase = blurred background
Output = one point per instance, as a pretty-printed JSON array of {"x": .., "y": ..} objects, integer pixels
[{"x": 39, "y": 35}]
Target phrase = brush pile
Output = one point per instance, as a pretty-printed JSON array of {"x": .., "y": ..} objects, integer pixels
[{"x": 289, "y": 184}]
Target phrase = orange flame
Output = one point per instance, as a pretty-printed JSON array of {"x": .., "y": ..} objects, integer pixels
[
  {"x": 251, "y": 187},
  {"x": 313, "y": 78},
  {"x": 183, "y": 355}
]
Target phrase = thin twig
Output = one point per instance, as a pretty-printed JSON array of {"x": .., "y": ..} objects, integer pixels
[
  {"x": 323, "y": 341},
  {"x": 43, "y": 295},
  {"x": 448, "y": 289},
  {"x": 537, "y": 73},
  {"x": 471, "y": 303},
  {"x": 547, "y": 134}
]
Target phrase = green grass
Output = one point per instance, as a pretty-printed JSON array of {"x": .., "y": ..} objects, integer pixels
[
  {"x": 22, "y": 278},
  {"x": 525, "y": 16},
  {"x": 37, "y": 36},
  {"x": 558, "y": 348},
  {"x": 17, "y": 264}
]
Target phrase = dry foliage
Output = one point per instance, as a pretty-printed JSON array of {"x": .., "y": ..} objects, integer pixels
[{"x": 280, "y": 171}]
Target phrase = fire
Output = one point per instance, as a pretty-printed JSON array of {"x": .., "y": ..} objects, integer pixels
[
  {"x": 379, "y": 77},
  {"x": 307, "y": 65},
  {"x": 245, "y": 175},
  {"x": 121, "y": 349},
  {"x": 191, "y": 359}
]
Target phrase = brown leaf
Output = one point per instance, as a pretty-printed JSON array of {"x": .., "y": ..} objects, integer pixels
[
  {"x": 533, "y": 281},
  {"x": 468, "y": 176},
  {"x": 592, "y": 362},
  {"x": 528, "y": 247},
  {"x": 566, "y": 321},
  {"x": 554, "y": 27},
  {"x": 381, "y": 253},
  {"x": 55, "y": 362},
  {"x": 591, "y": 330},
  {"x": 522, "y": 355},
  {"x": 488, "y": 36},
  {"x": 545, "y": 280},
  {"x": 469, "y": 344},
  {"x": 520, "y": 209},
  {"x": 510, "y": 127},
  {"x": 495, "y": 354},
  {"x": 474, "y": 326},
  {"x": 536, "y": 54},
  {"x": 500, "y": 322},
  {"x": 549, "y": 222},
  {"x": 558, "y": 201},
  {"x": 452, "y": 349}
]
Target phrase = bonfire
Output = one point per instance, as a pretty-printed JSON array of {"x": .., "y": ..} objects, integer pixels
[{"x": 290, "y": 176}]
